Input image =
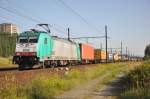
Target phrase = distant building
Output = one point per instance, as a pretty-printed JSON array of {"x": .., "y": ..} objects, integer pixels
[{"x": 8, "y": 28}]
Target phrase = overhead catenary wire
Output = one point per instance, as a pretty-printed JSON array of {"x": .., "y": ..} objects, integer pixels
[
  {"x": 15, "y": 11},
  {"x": 6, "y": 18},
  {"x": 78, "y": 15},
  {"x": 26, "y": 16},
  {"x": 82, "y": 18},
  {"x": 20, "y": 14},
  {"x": 21, "y": 10}
]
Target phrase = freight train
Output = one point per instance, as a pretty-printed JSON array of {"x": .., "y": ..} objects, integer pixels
[{"x": 38, "y": 47}]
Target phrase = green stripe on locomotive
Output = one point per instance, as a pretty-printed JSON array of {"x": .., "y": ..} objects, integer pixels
[
  {"x": 78, "y": 51},
  {"x": 45, "y": 46}
]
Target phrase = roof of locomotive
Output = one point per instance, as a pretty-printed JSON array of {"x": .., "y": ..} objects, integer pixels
[
  {"x": 31, "y": 33},
  {"x": 37, "y": 33}
]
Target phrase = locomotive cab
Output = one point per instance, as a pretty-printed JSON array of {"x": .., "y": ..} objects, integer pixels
[{"x": 26, "y": 50}]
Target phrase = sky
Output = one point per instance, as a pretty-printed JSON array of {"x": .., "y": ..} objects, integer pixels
[{"x": 127, "y": 20}]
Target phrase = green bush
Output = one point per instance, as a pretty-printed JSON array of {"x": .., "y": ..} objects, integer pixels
[
  {"x": 137, "y": 83},
  {"x": 41, "y": 88}
]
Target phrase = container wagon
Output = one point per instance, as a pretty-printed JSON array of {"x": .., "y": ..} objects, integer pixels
[
  {"x": 87, "y": 53},
  {"x": 97, "y": 55},
  {"x": 110, "y": 57},
  {"x": 116, "y": 57},
  {"x": 103, "y": 56}
]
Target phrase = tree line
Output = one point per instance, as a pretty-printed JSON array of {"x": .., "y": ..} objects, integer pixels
[
  {"x": 7, "y": 44},
  {"x": 147, "y": 52}
]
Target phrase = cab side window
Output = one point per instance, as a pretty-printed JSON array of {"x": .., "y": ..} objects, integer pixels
[{"x": 45, "y": 41}]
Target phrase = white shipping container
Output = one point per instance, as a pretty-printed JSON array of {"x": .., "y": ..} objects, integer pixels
[{"x": 110, "y": 56}]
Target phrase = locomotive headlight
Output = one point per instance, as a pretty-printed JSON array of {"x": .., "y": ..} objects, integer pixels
[
  {"x": 34, "y": 53},
  {"x": 18, "y": 54}
]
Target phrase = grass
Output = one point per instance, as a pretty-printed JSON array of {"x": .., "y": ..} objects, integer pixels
[
  {"x": 6, "y": 62},
  {"x": 113, "y": 73},
  {"x": 45, "y": 87},
  {"x": 9, "y": 88},
  {"x": 138, "y": 83}
]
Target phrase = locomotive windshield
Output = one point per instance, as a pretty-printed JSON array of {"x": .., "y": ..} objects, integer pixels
[
  {"x": 33, "y": 40},
  {"x": 28, "y": 40},
  {"x": 23, "y": 40},
  {"x": 29, "y": 37}
]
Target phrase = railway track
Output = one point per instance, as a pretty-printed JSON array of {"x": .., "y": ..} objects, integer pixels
[
  {"x": 37, "y": 67},
  {"x": 8, "y": 69},
  {"x": 15, "y": 69}
]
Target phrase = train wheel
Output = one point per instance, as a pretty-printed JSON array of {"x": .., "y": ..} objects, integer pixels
[
  {"x": 53, "y": 66},
  {"x": 21, "y": 67},
  {"x": 48, "y": 63}
]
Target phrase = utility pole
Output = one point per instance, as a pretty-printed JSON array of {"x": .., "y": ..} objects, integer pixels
[
  {"x": 126, "y": 52},
  {"x": 121, "y": 51},
  {"x": 106, "y": 42},
  {"x": 101, "y": 47},
  {"x": 128, "y": 55},
  {"x": 68, "y": 34},
  {"x": 111, "y": 50}
]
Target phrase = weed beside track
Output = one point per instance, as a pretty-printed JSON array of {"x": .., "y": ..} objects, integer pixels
[
  {"x": 137, "y": 83},
  {"x": 43, "y": 84}
]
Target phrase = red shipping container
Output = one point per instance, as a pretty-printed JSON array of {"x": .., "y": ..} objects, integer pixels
[{"x": 87, "y": 52}]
